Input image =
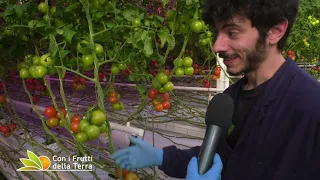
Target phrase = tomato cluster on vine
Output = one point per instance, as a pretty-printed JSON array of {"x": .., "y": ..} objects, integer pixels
[
  {"x": 89, "y": 127},
  {"x": 7, "y": 130},
  {"x": 78, "y": 83},
  {"x": 183, "y": 66},
  {"x": 114, "y": 100},
  {"x": 160, "y": 101},
  {"x": 54, "y": 117},
  {"x": 126, "y": 175},
  {"x": 216, "y": 73}
]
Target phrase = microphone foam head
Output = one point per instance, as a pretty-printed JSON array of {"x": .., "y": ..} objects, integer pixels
[{"x": 220, "y": 111}]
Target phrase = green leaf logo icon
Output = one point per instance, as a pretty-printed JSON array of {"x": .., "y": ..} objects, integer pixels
[{"x": 34, "y": 163}]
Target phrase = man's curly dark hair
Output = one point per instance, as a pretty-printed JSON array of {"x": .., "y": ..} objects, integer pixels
[{"x": 264, "y": 14}]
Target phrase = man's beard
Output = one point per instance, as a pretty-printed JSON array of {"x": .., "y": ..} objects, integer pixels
[{"x": 254, "y": 58}]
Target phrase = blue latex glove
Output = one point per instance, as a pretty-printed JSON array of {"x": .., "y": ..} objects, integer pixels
[
  {"x": 140, "y": 155},
  {"x": 214, "y": 173}
]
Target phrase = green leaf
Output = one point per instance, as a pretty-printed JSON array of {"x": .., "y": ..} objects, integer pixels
[
  {"x": 68, "y": 33},
  {"x": 8, "y": 12},
  {"x": 29, "y": 163},
  {"x": 34, "y": 158},
  {"x": 64, "y": 53},
  {"x": 164, "y": 36},
  {"x": 171, "y": 42},
  {"x": 28, "y": 169},
  {"x": 148, "y": 46},
  {"x": 72, "y": 7},
  {"x": 129, "y": 14},
  {"x": 164, "y": 3},
  {"x": 142, "y": 89},
  {"x": 53, "y": 49},
  {"x": 21, "y": 8}
]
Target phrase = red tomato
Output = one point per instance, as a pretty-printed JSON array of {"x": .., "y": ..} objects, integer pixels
[
  {"x": 290, "y": 52},
  {"x": 112, "y": 94},
  {"x": 158, "y": 107},
  {"x": 82, "y": 80},
  {"x": 131, "y": 176},
  {"x": 214, "y": 77},
  {"x": 7, "y": 134},
  {"x": 75, "y": 127},
  {"x": 64, "y": 112},
  {"x": 165, "y": 96},
  {"x": 76, "y": 118},
  {"x": 152, "y": 93},
  {"x": 13, "y": 126},
  {"x": 124, "y": 173},
  {"x": 195, "y": 66},
  {"x": 3, "y": 99},
  {"x": 5, "y": 129},
  {"x": 113, "y": 99},
  {"x": 155, "y": 102},
  {"x": 166, "y": 105},
  {"x": 50, "y": 112},
  {"x": 35, "y": 99}
]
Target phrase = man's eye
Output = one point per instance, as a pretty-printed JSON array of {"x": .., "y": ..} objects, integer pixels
[{"x": 232, "y": 34}]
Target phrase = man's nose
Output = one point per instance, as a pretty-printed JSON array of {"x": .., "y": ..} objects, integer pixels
[{"x": 220, "y": 44}]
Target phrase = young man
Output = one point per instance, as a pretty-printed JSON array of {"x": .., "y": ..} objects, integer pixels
[{"x": 277, "y": 117}]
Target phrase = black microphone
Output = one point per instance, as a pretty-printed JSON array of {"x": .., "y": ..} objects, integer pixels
[{"x": 218, "y": 120}]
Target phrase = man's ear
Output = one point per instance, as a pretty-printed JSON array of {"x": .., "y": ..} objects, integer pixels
[{"x": 277, "y": 32}]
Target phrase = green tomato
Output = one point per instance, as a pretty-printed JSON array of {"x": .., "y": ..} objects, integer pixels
[
  {"x": 98, "y": 117},
  {"x": 122, "y": 66},
  {"x": 173, "y": 25},
  {"x": 92, "y": 132},
  {"x": 28, "y": 59},
  {"x": 168, "y": 87},
  {"x": 97, "y": 5},
  {"x": 32, "y": 71},
  {"x": 103, "y": 128},
  {"x": 81, "y": 137},
  {"x": 102, "y": 2},
  {"x": 46, "y": 60},
  {"x": 179, "y": 72},
  {"x": 114, "y": 69},
  {"x": 116, "y": 106},
  {"x": 189, "y": 71},
  {"x": 170, "y": 15},
  {"x": 88, "y": 68},
  {"x": 162, "y": 90},
  {"x": 41, "y": 71},
  {"x": 87, "y": 60},
  {"x": 121, "y": 106},
  {"x": 209, "y": 34},
  {"x": 46, "y": 18},
  {"x": 99, "y": 49},
  {"x": 8, "y": 31},
  {"x": 24, "y": 73},
  {"x": 24, "y": 64},
  {"x": 183, "y": 18},
  {"x": 155, "y": 83},
  {"x": 82, "y": 47},
  {"x": 187, "y": 62},
  {"x": 162, "y": 78},
  {"x": 83, "y": 125},
  {"x": 53, "y": 10},
  {"x": 183, "y": 29},
  {"x": 43, "y": 7},
  {"x": 147, "y": 23},
  {"x": 196, "y": 26},
  {"x": 52, "y": 71},
  {"x": 136, "y": 22},
  {"x": 58, "y": 22},
  {"x": 178, "y": 62}
]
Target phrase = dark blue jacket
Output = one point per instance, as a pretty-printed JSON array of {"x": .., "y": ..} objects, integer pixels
[{"x": 281, "y": 139}]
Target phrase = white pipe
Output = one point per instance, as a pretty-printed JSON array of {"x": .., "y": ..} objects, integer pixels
[
  {"x": 175, "y": 87},
  {"x": 115, "y": 126}
]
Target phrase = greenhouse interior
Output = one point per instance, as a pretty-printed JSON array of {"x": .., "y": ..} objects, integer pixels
[{"x": 79, "y": 77}]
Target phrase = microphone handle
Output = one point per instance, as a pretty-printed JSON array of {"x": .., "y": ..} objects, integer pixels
[{"x": 208, "y": 148}]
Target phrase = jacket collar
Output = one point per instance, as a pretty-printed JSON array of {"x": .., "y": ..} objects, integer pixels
[{"x": 278, "y": 84}]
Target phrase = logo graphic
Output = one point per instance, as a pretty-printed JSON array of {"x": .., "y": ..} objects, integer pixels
[{"x": 35, "y": 163}]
